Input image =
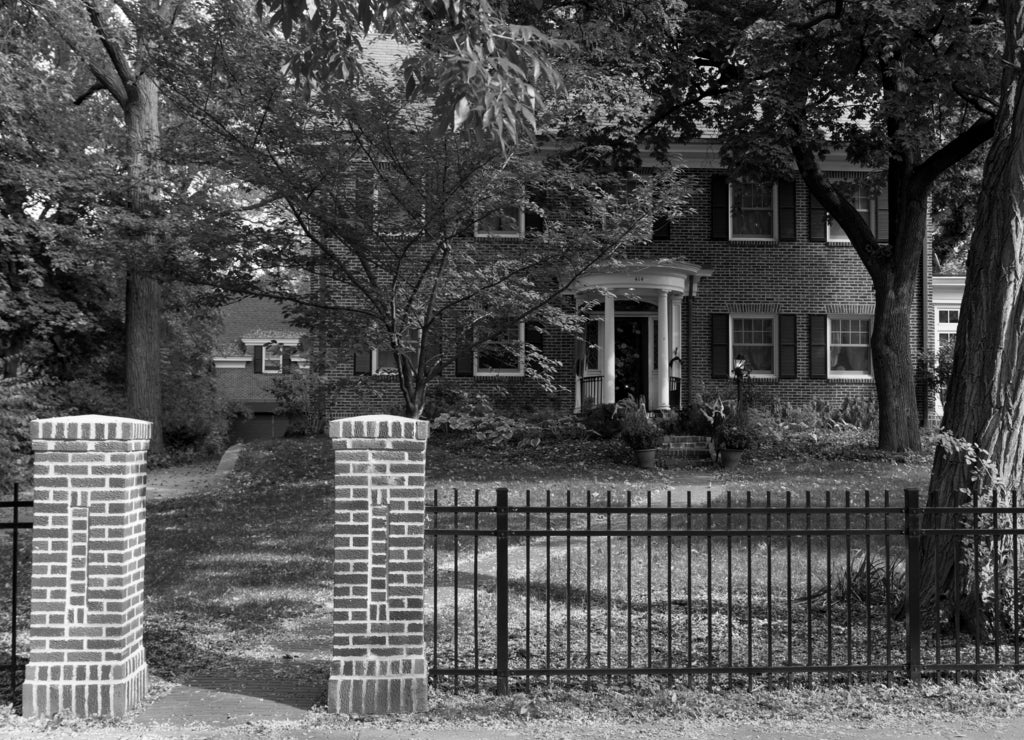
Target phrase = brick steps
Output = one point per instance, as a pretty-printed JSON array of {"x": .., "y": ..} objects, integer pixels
[{"x": 679, "y": 450}]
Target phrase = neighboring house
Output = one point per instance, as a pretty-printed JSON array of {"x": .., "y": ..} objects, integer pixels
[
  {"x": 754, "y": 271},
  {"x": 948, "y": 294},
  {"x": 256, "y": 345}
]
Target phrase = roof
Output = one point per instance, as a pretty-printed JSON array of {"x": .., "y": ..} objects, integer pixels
[{"x": 252, "y": 317}]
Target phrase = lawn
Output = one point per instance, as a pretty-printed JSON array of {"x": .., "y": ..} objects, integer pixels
[{"x": 240, "y": 576}]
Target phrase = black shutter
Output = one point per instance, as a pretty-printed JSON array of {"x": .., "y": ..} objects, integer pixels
[
  {"x": 464, "y": 354},
  {"x": 257, "y": 360},
  {"x": 882, "y": 216},
  {"x": 787, "y": 345},
  {"x": 662, "y": 229},
  {"x": 720, "y": 364},
  {"x": 816, "y": 220},
  {"x": 787, "y": 210},
  {"x": 286, "y": 360},
  {"x": 818, "y": 346},
  {"x": 535, "y": 221},
  {"x": 719, "y": 207},
  {"x": 534, "y": 335},
  {"x": 362, "y": 362}
]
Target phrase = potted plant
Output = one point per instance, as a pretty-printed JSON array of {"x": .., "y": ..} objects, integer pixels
[
  {"x": 639, "y": 432},
  {"x": 736, "y": 437}
]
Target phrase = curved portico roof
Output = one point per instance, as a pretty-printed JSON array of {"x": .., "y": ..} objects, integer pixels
[{"x": 640, "y": 277}]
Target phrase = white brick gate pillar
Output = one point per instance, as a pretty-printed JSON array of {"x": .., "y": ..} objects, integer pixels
[
  {"x": 88, "y": 551},
  {"x": 378, "y": 663}
]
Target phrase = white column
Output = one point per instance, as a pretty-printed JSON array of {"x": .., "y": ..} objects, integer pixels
[
  {"x": 663, "y": 351},
  {"x": 675, "y": 311},
  {"x": 608, "y": 369}
]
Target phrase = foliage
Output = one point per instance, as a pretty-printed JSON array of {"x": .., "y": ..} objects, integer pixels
[
  {"x": 636, "y": 428},
  {"x": 873, "y": 580},
  {"x": 488, "y": 71},
  {"x": 386, "y": 213},
  {"x": 934, "y": 369},
  {"x": 21, "y": 400},
  {"x": 737, "y": 435},
  {"x": 602, "y": 420},
  {"x": 303, "y": 397},
  {"x": 474, "y": 415}
]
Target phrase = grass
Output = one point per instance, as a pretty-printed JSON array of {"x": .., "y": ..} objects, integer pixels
[{"x": 240, "y": 576}]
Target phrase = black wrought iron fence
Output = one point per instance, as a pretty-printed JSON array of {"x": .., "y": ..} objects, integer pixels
[
  {"x": 728, "y": 589},
  {"x": 13, "y": 521}
]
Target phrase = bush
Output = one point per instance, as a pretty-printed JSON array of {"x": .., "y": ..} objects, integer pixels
[
  {"x": 601, "y": 420},
  {"x": 21, "y": 401},
  {"x": 302, "y": 398},
  {"x": 638, "y": 431}
]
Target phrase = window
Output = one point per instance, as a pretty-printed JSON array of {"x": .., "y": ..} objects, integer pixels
[
  {"x": 754, "y": 339},
  {"x": 752, "y": 212},
  {"x": 505, "y": 221},
  {"x": 861, "y": 200},
  {"x": 503, "y": 354},
  {"x": 273, "y": 358},
  {"x": 946, "y": 326},
  {"x": 849, "y": 347}
]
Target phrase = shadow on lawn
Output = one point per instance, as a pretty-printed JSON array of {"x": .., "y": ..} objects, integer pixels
[{"x": 238, "y": 584}]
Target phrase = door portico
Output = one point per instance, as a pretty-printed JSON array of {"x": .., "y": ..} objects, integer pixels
[{"x": 655, "y": 288}]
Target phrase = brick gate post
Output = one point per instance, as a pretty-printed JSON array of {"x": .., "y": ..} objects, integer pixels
[
  {"x": 378, "y": 663},
  {"x": 88, "y": 550}
]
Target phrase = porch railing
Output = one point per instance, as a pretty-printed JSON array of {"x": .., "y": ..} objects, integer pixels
[{"x": 591, "y": 391}]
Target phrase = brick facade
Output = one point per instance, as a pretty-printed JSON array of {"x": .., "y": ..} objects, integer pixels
[
  {"x": 379, "y": 662},
  {"x": 88, "y": 551},
  {"x": 799, "y": 277}
]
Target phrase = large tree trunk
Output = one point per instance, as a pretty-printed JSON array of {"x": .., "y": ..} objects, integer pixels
[
  {"x": 985, "y": 401},
  {"x": 143, "y": 291},
  {"x": 895, "y": 276}
]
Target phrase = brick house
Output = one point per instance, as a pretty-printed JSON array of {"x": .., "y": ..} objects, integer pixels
[
  {"x": 754, "y": 270},
  {"x": 255, "y": 345}
]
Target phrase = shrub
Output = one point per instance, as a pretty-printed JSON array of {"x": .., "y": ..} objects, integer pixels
[
  {"x": 638, "y": 431},
  {"x": 601, "y": 420},
  {"x": 302, "y": 398},
  {"x": 21, "y": 401}
]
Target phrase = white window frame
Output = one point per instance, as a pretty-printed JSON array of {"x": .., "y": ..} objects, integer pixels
[
  {"x": 848, "y": 374},
  {"x": 517, "y": 234},
  {"x": 504, "y": 372},
  {"x": 775, "y": 342},
  {"x": 733, "y": 237},
  {"x": 945, "y": 327},
  {"x": 870, "y": 218},
  {"x": 280, "y": 364}
]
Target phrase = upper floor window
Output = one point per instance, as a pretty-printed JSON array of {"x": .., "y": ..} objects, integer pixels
[
  {"x": 398, "y": 213},
  {"x": 946, "y": 326},
  {"x": 273, "y": 358},
  {"x": 752, "y": 211},
  {"x": 508, "y": 221},
  {"x": 754, "y": 339},
  {"x": 849, "y": 347},
  {"x": 860, "y": 199}
]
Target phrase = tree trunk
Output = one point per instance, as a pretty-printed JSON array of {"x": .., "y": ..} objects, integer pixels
[
  {"x": 895, "y": 277},
  {"x": 143, "y": 291},
  {"x": 985, "y": 400}
]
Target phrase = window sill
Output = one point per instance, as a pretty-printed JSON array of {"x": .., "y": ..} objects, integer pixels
[{"x": 851, "y": 379}]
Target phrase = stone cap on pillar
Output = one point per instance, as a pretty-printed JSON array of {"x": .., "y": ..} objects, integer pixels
[
  {"x": 91, "y": 426},
  {"x": 379, "y": 426}
]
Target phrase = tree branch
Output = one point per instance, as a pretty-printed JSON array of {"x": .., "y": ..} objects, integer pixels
[
  {"x": 113, "y": 50},
  {"x": 94, "y": 88},
  {"x": 979, "y": 132}
]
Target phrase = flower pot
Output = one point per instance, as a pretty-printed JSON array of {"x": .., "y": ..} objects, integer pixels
[
  {"x": 646, "y": 458},
  {"x": 731, "y": 458}
]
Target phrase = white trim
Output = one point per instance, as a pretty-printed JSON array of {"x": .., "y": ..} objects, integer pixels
[
  {"x": 504, "y": 372},
  {"x": 847, "y": 374},
  {"x": 760, "y": 374},
  {"x": 237, "y": 362},
  {"x": 521, "y": 220},
  {"x": 774, "y": 209},
  {"x": 251, "y": 342}
]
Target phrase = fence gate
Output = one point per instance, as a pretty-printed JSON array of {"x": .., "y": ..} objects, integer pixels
[
  {"x": 729, "y": 590},
  {"x": 12, "y": 520}
]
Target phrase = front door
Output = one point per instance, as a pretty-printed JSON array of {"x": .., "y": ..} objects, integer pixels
[{"x": 631, "y": 352}]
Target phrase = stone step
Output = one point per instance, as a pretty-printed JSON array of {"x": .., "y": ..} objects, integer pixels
[{"x": 678, "y": 449}]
